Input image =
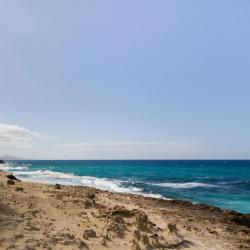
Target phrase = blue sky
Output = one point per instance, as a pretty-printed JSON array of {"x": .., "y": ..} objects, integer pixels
[{"x": 125, "y": 79}]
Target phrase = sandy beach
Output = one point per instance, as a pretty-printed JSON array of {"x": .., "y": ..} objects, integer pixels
[{"x": 43, "y": 216}]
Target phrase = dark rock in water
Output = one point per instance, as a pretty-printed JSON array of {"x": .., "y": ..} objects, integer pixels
[
  {"x": 2, "y": 162},
  {"x": 89, "y": 233},
  {"x": 12, "y": 177},
  {"x": 10, "y": 182},
  {"x": 19, "y": 189},
  {"x": 57, "y": 186}
]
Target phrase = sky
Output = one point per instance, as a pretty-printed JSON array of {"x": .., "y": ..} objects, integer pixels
[{"x": 142, "y": 79}]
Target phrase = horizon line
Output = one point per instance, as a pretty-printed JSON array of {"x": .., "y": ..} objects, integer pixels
[{"x": 202, "y": 159}]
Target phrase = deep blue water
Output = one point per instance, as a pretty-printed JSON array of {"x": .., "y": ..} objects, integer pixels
[{"x": 222, "y": 183}]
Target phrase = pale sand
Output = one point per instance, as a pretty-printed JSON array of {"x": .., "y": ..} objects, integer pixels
[{"x": 45, "y": 216}]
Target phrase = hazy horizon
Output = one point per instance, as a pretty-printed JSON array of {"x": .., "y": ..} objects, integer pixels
[
  {"x": 14, "y": 158},
  {"x": 125, "y": 80}
]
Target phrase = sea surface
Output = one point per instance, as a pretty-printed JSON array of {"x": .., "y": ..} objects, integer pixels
[{"x": 224, "y": 183}]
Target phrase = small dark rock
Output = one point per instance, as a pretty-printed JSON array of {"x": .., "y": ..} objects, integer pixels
[
  {"x": 145, "y": 239},
  {"x": 19, "y": 189},
  {"x": 137, "y": 234},
  {"x": 104, "y": 241},
  {"x": 18, "y": 236},
  {"x": 2, "y": 162},
  {"x": 57, "y": 186},
  {"x": 11, "y": 247},
  {"x": 121, "y": 211},
  {"x": 10, "y": 182},
  {"x": 154, "y": 236},
  {"x": 142, "y": 220},
  {"x": 172, "y": 228},
  {"x": 135, "y": 246},
  {"x": 91, "y": 195},
  {"x": 81, "y": 244},
  {"x": 89, "y": 203},
  {"x": 89, "y": 233}
]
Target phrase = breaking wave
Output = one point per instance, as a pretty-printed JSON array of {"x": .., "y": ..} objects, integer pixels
[
  {"x": 8, "y": 166},
  {"x": 185, "y": 185},
  {"x": 52, "y": 177}
]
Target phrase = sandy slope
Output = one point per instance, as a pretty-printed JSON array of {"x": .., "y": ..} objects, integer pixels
[{"x": 39, "y": 216}]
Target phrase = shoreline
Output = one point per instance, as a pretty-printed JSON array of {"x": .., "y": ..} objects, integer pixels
[
  {"x": 209, "y": 186},
  {"x": 47, "y": 216}
]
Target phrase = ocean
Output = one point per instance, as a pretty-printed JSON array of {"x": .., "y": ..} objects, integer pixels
[{"x": 223, "y": 183}]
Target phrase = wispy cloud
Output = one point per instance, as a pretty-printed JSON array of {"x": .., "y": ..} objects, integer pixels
[
  {"x": 27, "y": 143},
  {"x": 18, "y": 136}
]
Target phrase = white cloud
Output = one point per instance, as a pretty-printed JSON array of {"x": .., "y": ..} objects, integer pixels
[
  {"x": 17, "y": 136},
  {"x": 22, "y": 142}
]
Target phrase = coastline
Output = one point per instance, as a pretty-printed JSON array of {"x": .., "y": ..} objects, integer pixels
[
  {"x": 47, "y": 216},
  {"x": 222, "y": 184}
]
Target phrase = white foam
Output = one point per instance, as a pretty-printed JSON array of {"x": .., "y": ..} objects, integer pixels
[
  {"x": 115, "y": 186},
  {"x": 11, "y": 166},
  {"x": 108, "y": 185},
  {"x": 4, "y": 167},
  {"x": 21, "y": 168},
  {"x": 158, "y": 196},
  {"x": 48, "y": 176},
  {"x": 55, "y": 174},
  {"x": 184, "y": 185},
  {"x": 111, "y": 185}
]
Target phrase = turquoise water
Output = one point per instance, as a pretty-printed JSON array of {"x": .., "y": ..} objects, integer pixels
[{"x": 221, "y": 183}]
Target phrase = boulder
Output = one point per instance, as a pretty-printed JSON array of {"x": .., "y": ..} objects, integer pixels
[
  {"x": 2, "y": 162},
  {"x": 12, "y": 177}
]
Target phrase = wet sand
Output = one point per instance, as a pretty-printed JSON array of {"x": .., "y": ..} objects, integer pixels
[{"x": 43, "y": 216}]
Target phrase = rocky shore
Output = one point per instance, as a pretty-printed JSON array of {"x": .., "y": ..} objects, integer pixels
[{"x": 42, "y": 216}]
